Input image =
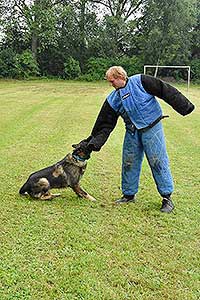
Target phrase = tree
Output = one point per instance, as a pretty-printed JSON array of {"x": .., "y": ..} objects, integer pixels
[
  {"x": 196, "y": 33},
  {"x": 54, "y": 30},
  {"x": 124, "y": 9},
  {"x": 119, "y": 24},
  {"x": 34, "y": 19},
  {"x": 86, "y": 24},
  {"x": 164, "y": 32}
]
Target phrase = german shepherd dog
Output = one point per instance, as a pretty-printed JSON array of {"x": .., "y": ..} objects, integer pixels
[{"x": 65, "y": 173}]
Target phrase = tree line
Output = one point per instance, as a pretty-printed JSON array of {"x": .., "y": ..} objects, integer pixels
[{"x": 81, "y": 38}]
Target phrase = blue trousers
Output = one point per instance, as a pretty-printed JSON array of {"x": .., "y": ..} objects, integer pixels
[{"x": 152, "y": 143}]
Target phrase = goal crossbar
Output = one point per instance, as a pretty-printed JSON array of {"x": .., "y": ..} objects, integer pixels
[{"x": 175, "y": 67}]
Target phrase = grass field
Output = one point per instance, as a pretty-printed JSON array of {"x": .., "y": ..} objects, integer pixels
[{"x": 72, "y": 249}]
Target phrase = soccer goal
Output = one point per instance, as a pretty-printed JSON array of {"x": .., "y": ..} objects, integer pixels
[{"x": 170, "y": 67}]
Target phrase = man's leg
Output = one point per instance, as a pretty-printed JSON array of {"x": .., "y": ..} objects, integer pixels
[
  {"x": 155, "y": 149},
  {"x": 131, "y": 163}
]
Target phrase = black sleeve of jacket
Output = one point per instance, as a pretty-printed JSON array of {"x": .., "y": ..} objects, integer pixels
[
  {"x": 168, "y": 93},
  {"x": 104, "y": 125}
]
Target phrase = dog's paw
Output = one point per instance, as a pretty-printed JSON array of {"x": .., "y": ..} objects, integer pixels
[
  {"x": 49, "y": 196},
  {"x": 89, "y": 197}
]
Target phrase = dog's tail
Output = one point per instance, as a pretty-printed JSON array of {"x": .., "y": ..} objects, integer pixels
[{"x": 24, "y": 189}]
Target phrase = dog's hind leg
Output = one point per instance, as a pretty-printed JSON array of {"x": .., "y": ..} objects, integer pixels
[
  {"x": 24, "y": 189},
  {"x": 81, "y": 193}
]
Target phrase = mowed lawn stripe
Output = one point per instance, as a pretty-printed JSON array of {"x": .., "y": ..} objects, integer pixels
[{"x": 72, "y": 249}]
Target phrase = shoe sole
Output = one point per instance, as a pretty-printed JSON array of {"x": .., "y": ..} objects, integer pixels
[{"x": 167, "y": 210}]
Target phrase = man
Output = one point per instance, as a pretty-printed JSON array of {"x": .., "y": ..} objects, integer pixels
[{"x": 134, "y": 100}]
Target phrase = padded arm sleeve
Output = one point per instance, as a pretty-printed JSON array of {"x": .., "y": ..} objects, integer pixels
[
  {"x": 104, "y": 125},
  {"x": 168, "y": 93}
]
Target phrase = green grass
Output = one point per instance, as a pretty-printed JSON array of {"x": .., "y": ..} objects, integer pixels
[{"x": 72, "y": 249}]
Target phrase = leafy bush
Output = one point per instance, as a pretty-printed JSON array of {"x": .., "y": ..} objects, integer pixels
[
  {"x": 97, "y": 67},
  {"x": 26, "y": 65},
  {"x": 132, "y": 65},
  {"x": 51, "y": 62},
  {"x": 71, "y": 68},
  {"x": 195, "y": 69},
  {"x": 7, "y": 63}
]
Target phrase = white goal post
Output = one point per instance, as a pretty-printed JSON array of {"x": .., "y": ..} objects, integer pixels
[{"x": 174, "y": 67}]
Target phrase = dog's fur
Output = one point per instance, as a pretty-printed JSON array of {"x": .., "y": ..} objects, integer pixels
[{"x": 65, "y": 173}]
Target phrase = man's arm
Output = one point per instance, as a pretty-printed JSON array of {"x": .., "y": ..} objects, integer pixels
[
  {"x": 168, "y": 93},
  {"x": 104, "y": 125}
]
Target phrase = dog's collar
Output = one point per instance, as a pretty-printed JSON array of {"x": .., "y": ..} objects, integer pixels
[{"x": 78, "y": 157}]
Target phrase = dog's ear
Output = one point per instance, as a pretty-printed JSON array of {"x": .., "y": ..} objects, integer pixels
[{"x": 76, "y": 145}]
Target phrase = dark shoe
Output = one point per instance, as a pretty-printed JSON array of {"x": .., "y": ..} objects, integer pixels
[
  {"x": 125, "y": 199},
  {"x": 167, "y": 205}
]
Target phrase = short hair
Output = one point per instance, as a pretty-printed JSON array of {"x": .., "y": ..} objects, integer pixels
[{"x": 116, "y": 71}]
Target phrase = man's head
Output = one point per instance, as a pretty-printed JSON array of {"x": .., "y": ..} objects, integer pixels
[{"x": 117, "y": 76}]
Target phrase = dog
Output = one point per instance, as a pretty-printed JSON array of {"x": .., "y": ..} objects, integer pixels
[{"x": 63, "y": 174}]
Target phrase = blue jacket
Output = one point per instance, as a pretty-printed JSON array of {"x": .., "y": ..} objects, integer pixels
[
  {"x": 141, "y": 107},
  {"x": 137, "y": 105}
]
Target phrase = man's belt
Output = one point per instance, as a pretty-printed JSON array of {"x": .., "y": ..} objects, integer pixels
[{"x": 152, "y": 124}]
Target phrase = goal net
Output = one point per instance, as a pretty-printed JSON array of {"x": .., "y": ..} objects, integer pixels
[{"x": 157, "y": 67}]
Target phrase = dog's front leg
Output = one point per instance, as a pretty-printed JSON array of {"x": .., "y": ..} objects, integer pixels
[
  {"x": 81, "y": 193},
  {"x": 49, "y": 196}
]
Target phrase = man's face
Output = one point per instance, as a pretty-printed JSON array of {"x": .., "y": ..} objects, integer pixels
[{"x": 118, "y": 82}]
